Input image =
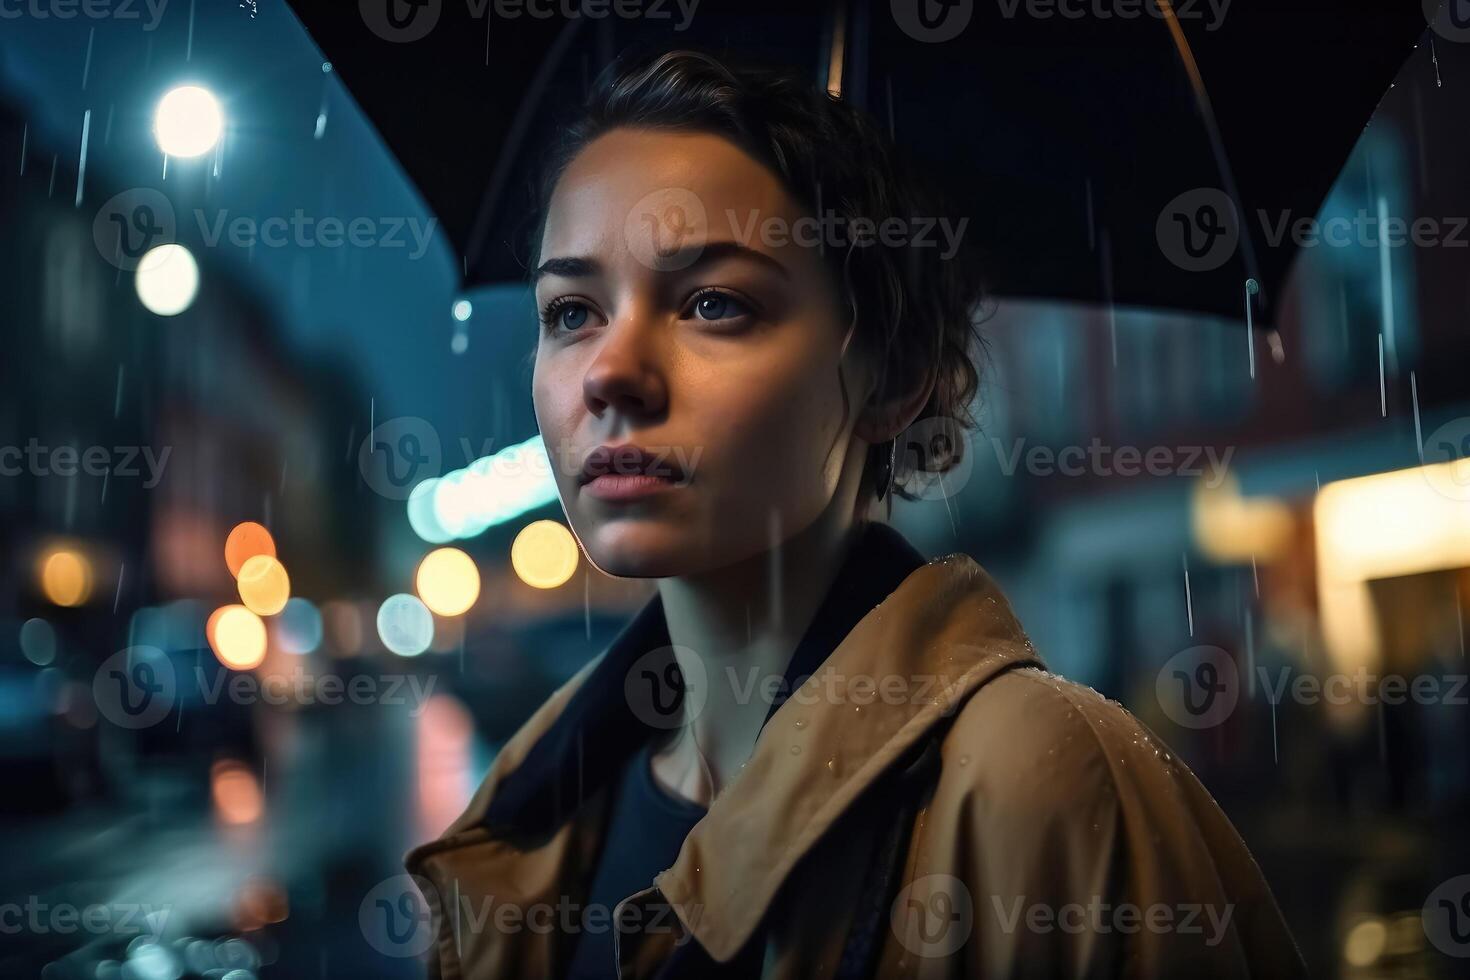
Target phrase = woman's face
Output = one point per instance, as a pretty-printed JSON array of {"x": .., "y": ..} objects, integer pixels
[{"x": 683, "y": 319}]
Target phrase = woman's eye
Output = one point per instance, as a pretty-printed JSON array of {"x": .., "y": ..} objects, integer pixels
[
  {"x": 565, "y": 315},
  {"x": 572, "y": 316},
  {"x": 718, "y": 306}
]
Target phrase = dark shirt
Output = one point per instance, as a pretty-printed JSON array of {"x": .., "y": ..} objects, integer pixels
[{"x": 645, "y": 830}]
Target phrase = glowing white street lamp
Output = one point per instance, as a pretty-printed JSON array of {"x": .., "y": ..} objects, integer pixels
[
  {"x": 188, "y": 122},
  {"x": 167, "y": 279}
]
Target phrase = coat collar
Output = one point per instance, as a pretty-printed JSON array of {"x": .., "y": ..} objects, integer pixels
[
  {"x": 600, "y": 729},
  {"x": 895, "y": 648}
]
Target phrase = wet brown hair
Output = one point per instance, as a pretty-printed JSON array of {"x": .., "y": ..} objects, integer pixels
[{"x": 912, "y": 310}]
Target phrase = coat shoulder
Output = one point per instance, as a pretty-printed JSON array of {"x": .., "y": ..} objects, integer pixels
[{"x": 1038, "y": 740}]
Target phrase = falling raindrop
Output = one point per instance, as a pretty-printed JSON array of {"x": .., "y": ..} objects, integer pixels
[
  {"x": 1107, "y": 274},
  {"x": 1251, "y": 288},
  {"x": 87, "y": 64},
  {"x": 1382, "y": 388},
  {"x": 82, "y": 158},
  {"x": 1188, "y": 599},
  {"x": 1250, "y": 651},
  {"x": 1418, "y": 433}
]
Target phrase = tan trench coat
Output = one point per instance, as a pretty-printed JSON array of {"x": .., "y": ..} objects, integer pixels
[{"x": 1060, "y": 838}]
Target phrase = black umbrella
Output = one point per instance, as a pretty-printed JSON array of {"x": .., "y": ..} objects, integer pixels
[{"x": 1102, "y": 150}]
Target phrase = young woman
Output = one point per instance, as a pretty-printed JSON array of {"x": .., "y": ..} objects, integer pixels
[{"x": 813, "y": 753}]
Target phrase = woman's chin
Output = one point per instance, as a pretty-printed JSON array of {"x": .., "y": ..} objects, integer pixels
[{"x": 639, "y": 549}]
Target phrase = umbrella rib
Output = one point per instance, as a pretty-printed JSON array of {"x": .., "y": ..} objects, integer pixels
[{"x": 1217, "y": 144}]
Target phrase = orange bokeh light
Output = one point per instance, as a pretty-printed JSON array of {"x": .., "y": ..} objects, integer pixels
[
  {"x": 236, "y": 793},
  {"x": 66, "y": 577},
  {"x": 247, "y": 540}
]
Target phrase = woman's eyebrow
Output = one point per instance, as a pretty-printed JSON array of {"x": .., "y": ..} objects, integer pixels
[
  {"x": 569, "y": 267},
  {"x": 574, "y": 267}
]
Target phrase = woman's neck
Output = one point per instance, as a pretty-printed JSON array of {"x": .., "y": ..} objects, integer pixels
[{"x": 743, "y": 622}]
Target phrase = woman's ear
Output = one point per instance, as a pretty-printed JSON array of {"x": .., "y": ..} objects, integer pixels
[{"x": 883, "y": 419}]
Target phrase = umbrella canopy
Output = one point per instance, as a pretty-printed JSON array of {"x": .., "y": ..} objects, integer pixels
[{"x": 1123, "y": 151}]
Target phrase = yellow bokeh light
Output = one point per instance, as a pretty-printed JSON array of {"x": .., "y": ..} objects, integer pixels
[
  {"x": 1365, "y": 942},
  {"x": 66, "y": 577},
  {"x": 237, "y": 637},
  {"x": 264, "y": 585},
  {"x": 1384, "y": 525},
  {"x": 544, "y": 554},
  {"x": 448, "y": 581},
  {"x": 247, "y": 540}
]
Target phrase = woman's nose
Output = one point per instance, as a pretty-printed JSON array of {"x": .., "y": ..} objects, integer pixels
[{"x": 626, "y": 375}]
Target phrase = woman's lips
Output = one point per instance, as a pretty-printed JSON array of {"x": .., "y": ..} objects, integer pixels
[{"x": 629, "y": 486}]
